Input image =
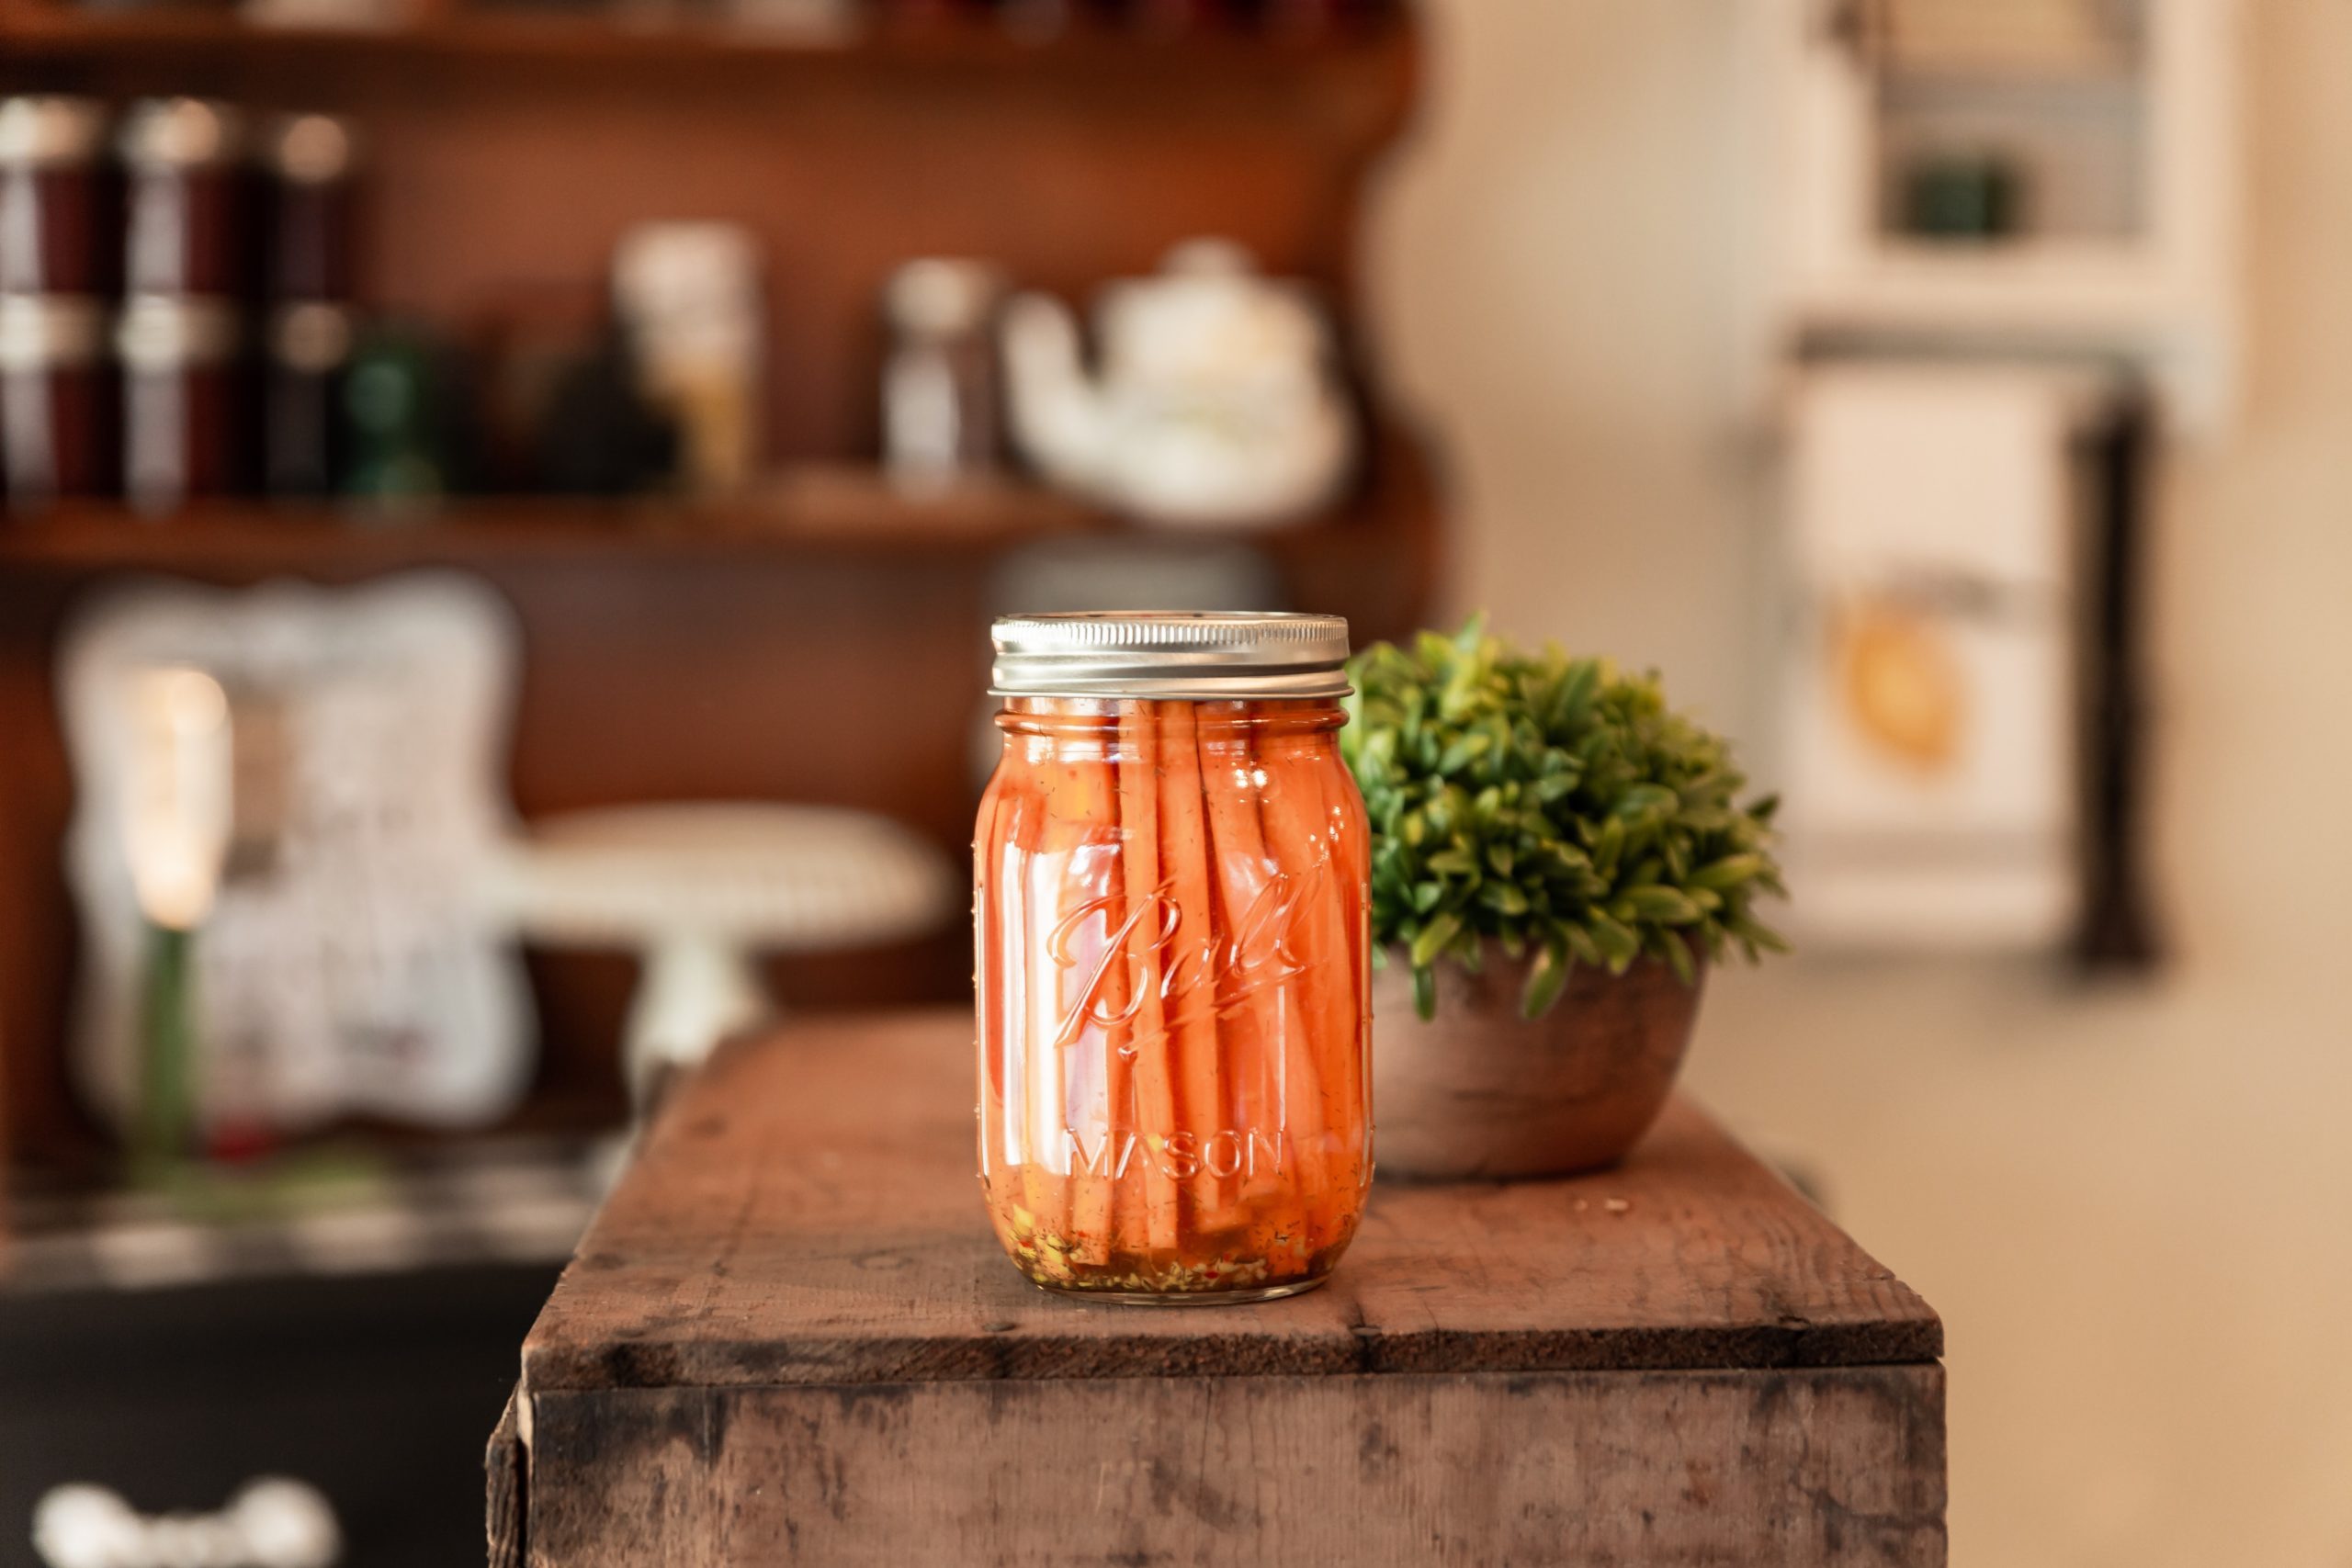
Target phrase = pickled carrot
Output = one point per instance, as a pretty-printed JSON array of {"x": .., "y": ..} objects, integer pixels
[
  {"x": 1027, "y": 1195},
  {"x": 988, "y": 984},
  {"x": 1298, "y": 836},
  {"x": 1351, "y": 846},
  {"x": 1138, "y": 766},
  {"x": 1192, "y": 959},
  {"x": 1094, "y": 992},
  {"x": 990, "y": 976},
  {"x": 1251, "y": 1003}
]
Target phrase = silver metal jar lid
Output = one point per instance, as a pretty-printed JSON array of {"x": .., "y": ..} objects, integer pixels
[{"x": 1179, "y": 654}]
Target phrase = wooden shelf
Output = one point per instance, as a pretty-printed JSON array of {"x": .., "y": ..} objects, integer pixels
[
  {"x": 45, "y": 28},
  {"x": 341, "y": 1208},
  {"x": 825, "y": 512}
]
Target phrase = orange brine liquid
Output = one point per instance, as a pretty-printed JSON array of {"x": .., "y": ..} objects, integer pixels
[{"x": 1173, "y": 992}]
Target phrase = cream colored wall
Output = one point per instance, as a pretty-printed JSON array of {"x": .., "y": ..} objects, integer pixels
[{"x": 2132, "y": 1204}]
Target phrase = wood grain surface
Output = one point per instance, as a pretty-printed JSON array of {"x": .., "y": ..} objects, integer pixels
[
  {"x": 1825, "y": 1466},
  {"x": 806, "y": 1212},
  {"x": 506, "y": 1500}
]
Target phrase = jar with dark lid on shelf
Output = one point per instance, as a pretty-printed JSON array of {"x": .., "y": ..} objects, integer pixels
[
  {"x": 58, "y": 215},
  {"x": 308, "y": 333},
  {"x": 308, "y": 158},
  {"x": 184, "y": 425},
  {"x": 306, "y": 361},
  {"x": 58, "y": 409},
  {"x": 184, "y": 230}
]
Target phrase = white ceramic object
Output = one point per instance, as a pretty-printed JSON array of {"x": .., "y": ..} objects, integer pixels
[
  {"x": 702, "y": 889},
  {"x": 1215, "y": 404},
  {"x": 689, "y": 294},
  {"x": 272, "y": 1522}
]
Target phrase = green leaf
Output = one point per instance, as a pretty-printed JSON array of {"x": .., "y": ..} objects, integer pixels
[
  {"x": 1730, "y": 870},
  {"x": 1434, "y": 938},
  {"x": 1503, "y": 899},
  {"x": 1663, "y": 905},
  {"x": 1425, "y": 991},
  {"x": 1618, "y": 943},
  {"x": 1645, "y": 800},
  {"x": 1754, "y": 931},
  {"x": 1467, "y": 642},
  {"x": 1572, "y": 699},
  {"x": 1464, "y": 750},
  {"x": 1608, "y": 844},
  {"x": 1546, "y": 978}
]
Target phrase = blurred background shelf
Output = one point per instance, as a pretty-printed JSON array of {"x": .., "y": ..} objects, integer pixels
[
  {"x": 1355, "y": 80},
  {"x": 514, "y": 1201},
  {"x": 525, "y": 32},
  {"x": 840, "y": 514},
  {"x": 846, "y": 513}
]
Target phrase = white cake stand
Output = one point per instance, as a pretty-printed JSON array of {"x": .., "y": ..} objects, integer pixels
[{"x": 700, "y": 890}]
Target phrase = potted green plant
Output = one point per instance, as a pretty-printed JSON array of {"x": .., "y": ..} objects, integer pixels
[{"x": 1557, "y": 856}]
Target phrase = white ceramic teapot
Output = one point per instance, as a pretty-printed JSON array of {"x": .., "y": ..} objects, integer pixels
[{"x": 1216, "y": 402}]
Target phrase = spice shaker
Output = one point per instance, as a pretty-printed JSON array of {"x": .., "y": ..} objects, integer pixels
[{"x": 939, "y": 403}]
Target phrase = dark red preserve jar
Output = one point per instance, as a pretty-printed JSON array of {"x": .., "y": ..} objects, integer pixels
[
  {"x": 184, "y": 431},
  {"x": 57, "y": 212},
  {"x": 57, "y": 401},
  {"x": 184, "y": 230}
]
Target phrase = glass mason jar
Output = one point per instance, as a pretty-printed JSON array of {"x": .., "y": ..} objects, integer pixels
[{"x": 1173, "y": 869}]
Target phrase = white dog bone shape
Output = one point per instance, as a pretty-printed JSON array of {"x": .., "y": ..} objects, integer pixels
[{"x": 272, "y": 1522}]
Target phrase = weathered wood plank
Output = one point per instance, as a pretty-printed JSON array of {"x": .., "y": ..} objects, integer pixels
[
  {"x": 1823, "y": 1466},
  {"x": 505, "y": 1468},
  {"x": 805, "y": 1213}
]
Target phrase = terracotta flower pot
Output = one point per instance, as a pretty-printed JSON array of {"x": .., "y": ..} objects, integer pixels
[{"x": 1479, "y": 1091}]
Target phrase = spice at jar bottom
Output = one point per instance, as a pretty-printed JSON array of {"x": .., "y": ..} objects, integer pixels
[{"x": 1173, "y": 869}]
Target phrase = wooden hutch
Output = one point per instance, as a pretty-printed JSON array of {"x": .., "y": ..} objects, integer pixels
[{"x": 825, "y": 639}]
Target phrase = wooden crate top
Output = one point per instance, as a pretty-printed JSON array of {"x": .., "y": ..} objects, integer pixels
[{"x": 806, "y": 1212}]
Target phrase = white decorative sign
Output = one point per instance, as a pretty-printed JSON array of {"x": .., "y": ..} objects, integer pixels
[{"x": 348, "y": 961}]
